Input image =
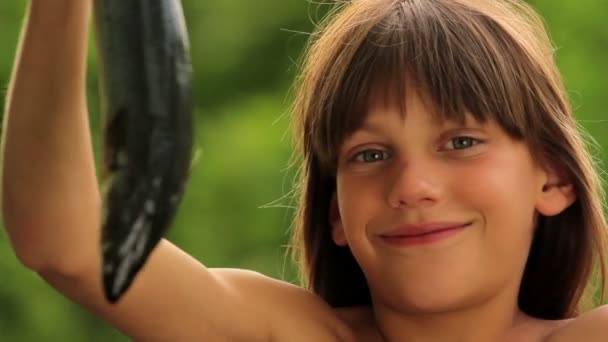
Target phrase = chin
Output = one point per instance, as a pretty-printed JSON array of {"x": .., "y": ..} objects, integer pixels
[
  {"x": 436, "y": 295},
  {"x": 433, "y": 302}
]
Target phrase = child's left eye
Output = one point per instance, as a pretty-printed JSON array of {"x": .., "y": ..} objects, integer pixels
[{"x": 461, "y": 143}]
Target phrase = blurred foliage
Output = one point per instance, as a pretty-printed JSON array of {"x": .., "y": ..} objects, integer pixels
[{"x": 245, "y": 55}]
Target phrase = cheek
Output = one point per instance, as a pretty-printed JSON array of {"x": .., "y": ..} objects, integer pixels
[
  {"x": 503, "y": 193},
  {"x": 353, "y": 199},
  {"x": 359, "y": 201},
  {"x": 500, "y": 182}
]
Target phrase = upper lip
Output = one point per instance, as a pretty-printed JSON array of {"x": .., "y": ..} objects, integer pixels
[{"x": 423, "y": 228}]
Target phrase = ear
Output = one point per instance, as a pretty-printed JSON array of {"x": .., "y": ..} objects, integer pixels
[
  {"x": 556, "y": 190},
  {"x": 337, "y": 229}
]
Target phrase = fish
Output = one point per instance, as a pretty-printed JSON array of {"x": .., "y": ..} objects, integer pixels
[{"x": 145, "y": 78}]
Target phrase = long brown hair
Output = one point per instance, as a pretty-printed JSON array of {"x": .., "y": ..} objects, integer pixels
[{"x": 492, "y": 59}]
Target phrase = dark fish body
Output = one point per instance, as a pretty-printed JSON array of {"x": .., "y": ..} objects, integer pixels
[{"x": 145, "y": 75}]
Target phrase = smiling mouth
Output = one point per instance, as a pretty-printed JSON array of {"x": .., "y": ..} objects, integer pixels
[{"x": 422, "y": 238}]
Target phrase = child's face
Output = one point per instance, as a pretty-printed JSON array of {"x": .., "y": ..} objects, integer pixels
[{"x": 398, "y": 171}]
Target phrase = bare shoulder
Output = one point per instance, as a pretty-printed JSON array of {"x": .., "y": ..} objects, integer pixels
[
  {"x": 591, "y": 326},
  {"x": 297, "y": 314}
]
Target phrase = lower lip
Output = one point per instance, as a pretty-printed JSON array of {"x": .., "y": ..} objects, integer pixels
[{"x": 405, "y": 241}]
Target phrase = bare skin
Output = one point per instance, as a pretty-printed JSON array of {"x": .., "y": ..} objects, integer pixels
[{"x": 49, "y": 169}]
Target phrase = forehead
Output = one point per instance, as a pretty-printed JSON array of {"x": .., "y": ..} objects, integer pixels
[
  {"x": 415, "y": 105},
  {"x": 415, "y": 111}
]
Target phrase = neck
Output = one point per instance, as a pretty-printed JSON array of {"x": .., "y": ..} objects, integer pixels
[{"x": 491, "y": 320}]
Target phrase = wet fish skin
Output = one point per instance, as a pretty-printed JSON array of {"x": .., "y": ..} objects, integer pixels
[{"x": 146, "y": 101}]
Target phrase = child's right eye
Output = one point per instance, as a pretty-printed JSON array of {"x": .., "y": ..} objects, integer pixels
[{"x": 371, "y": 156}]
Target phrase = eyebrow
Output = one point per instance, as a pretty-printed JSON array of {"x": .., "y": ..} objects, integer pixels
[
  {"x": 370, "y": 127},
  {"x": 378, "y": 128}
]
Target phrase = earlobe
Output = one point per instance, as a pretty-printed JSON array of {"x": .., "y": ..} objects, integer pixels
[
  {"x": 337, "y": 230},
  {"x": 555, "y": 199},
  {"x": 557, "y": 193}
]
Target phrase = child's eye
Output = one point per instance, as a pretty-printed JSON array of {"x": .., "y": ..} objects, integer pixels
[
  {"x": 370, "y": 156},
  {"x": 461, "y": 143}
]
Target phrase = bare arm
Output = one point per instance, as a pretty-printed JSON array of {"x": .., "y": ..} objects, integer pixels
[
  {"x": 51, "y": 209},
  {"x": 51, "y": 205},
  {"x": 48, "y": 171}
]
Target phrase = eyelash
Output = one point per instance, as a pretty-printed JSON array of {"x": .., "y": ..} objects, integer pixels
[
  {"x": 473, "y": 142},
  {"x": 385, "y": 154},
  {"x": 356, "y": 156}
]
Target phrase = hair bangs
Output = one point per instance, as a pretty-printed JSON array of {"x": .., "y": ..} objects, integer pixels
[{"x": 462, "y": 61}]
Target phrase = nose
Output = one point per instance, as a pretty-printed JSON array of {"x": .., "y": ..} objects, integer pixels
[{"x": 414, "y": 184}]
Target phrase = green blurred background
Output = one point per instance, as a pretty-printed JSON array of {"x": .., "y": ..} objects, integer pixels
[{"x": 236, "y": 212}]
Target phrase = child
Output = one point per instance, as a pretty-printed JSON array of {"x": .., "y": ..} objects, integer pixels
[{"x": 446, "y": 194}]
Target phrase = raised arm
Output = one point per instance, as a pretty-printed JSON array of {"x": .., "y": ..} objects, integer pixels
[
  {"x": 51, "y": 209},
  {"x": 50, "y": 196}
]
